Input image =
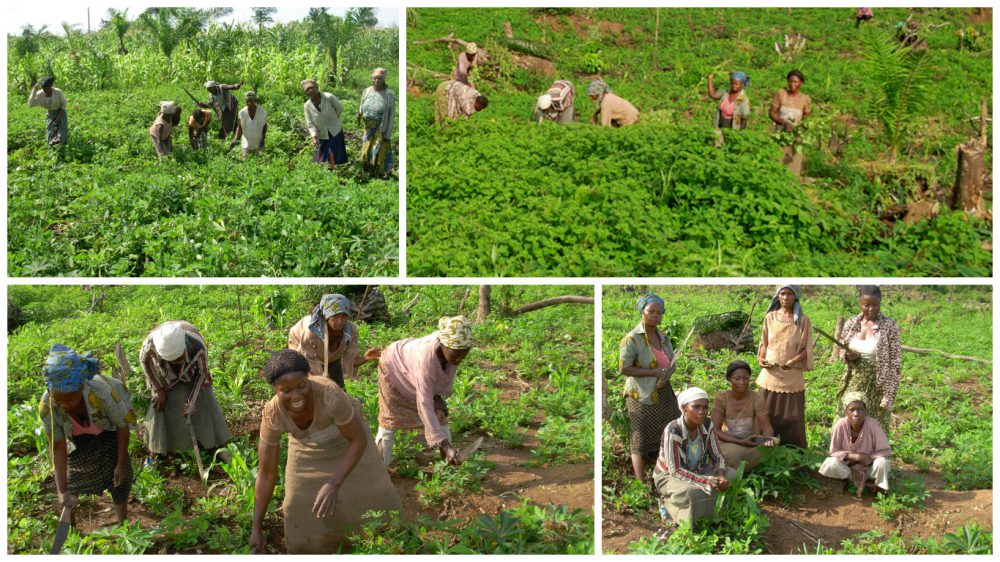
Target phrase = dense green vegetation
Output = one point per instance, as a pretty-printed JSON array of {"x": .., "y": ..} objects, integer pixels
[
  {"x": 498, "y": 195},
  {"x": 943, "y": 413},
  {"x": 102, "y": 206},
  {"x": 549, "y": 352}
]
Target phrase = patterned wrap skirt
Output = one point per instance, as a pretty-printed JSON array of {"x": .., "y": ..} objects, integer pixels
[
  {"x": 647, "y": 421},
  {"x": 92, "y": 466}
]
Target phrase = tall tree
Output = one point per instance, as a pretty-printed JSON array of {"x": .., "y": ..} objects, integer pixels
[
  {"x": 362, "y": 17},
  {"x": 263, "y": 16},
  {"x": 118, "y": 21}
]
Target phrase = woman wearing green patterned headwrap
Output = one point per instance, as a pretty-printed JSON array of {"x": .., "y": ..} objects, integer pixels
[{"x": 87, "y": 417}]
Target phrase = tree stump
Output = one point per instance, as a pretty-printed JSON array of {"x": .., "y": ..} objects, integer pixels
[{"x": 967, "y": 194}]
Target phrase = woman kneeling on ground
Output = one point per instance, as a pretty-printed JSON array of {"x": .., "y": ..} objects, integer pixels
[
  {"x": 690, "y": 469},
  {"x": 740, "y": 420},
  {"x": 859, "y": 448},
  {"x": 87, "y": 418},
  {"x": 333, "y": 475}
]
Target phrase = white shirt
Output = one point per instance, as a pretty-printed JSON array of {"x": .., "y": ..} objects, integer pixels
[
  {"x": 324, "y": 122},
  {"x": 253, "y": 129},
  {"x": 57, "y": 100}
]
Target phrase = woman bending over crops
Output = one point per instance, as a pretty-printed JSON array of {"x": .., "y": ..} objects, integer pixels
[
  {"x": 87, "y": 418},
  {"x": 414, "y": 377},
  {"x": 734, "y": 109},
  {"x": 785, "y": 353},
  {"x": 740, "y": 420},
  {"x": 222, "y": 100},
  {"x": 859, "y": 447},
  {"x": 788, "y": 111},
  {"x": 466, "y": 61},
  {"x": 690, "y": 469},
  {"x": 162, "y": 131},
  {"x": 378, "y": 106},
  {"x": 251, "y": 127},
  {"x": 874, "y": 359},
  {"x": 52, "y": 99},
  {"x": 612, "y": 111},
  {"x": 646, "y": 359},
  {"x": 556, "y": 104},
  {"x": 329, "y": 340},
  {"x": 333, "y": 474},
  {"x": 198, "y": 128},
  {"x": 175, "y": 363},
  {"x": 323, "y": 111},
  {"x": 455, "y": 100}
]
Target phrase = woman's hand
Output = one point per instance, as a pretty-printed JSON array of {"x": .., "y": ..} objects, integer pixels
[
  {"x": 852, "y": 355},
  {"x": 451, "y": 455},
  {"x": 121, "y": 472},
  {"x": 326, "y": 500},
  {"x": 721, "y": 484},
  {"x": 257, "y": 539},
  {"x": 160, "y": 400},
  {"x": 764, "y": 363},
  {"x": 373, "y": 354}
]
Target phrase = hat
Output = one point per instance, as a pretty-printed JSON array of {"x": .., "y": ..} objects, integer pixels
[
  {"x": 854, "y": 396},
  {"x": 455, "y": 332},
  {"x": 544, "y": 102},
  {"x": 378, "y": 72},
  {"x": 689, "y": 395},
  {"x": 48, "y": 81},
  {"x": 309, "y": 82},
  {"x": 168, "y": 107},
  {"x": 471, "y": 49},
  {"x": 169, "y": 341},
  {"x": 66, "y": 370},
  {"x": 211, "y": 84},
  {"x": 250, "y": 95}
]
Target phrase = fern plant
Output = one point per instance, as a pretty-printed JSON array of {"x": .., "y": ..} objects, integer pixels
[{"x": 902, "y": 78}]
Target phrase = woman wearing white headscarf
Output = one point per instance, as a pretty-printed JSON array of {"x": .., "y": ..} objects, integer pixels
[
  {"x": 690, "y": 469},
  {"x": 175, "y": 362},
  {"x": 785, "y": 353},
  {"x": 414, "y": 377},
  {"x": 162, "y": 130}
]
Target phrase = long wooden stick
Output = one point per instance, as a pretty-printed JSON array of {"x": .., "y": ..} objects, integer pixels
[
  {"x": 926, "y": 351},
  {"x": 551, "y": 302}
]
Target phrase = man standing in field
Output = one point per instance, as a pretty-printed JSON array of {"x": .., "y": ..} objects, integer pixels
[
  {"x": 53, "y": 100},
  {"x": 454, "y": 100},
  {"x": 556, "y": 104},
  {"x": 322, "y": 111},
  {"x": 175, "y": 362},
  {"x": 251, "y": 126},
  {"x": 222, "y": 100}
]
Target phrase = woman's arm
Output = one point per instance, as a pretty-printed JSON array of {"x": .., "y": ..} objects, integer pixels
[
  {"x": 60, "y": 469},
  {"x": 711, "y": 88},
  {"x": 263, "y": 490},
  {"x": 326, "y": 499},
  {"x": 121, "y": 468},
  {"x": 762, "y": 349}
]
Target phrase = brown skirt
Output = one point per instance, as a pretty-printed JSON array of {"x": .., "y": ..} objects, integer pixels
[
  {"x": 395, "y": 411},
  {"x": 647, "y": 421},
  {"x": 788, "y": 416}
]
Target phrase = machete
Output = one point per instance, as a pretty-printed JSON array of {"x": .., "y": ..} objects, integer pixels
[
  {"x": 194, "y": 99},
  {"x": 831, "y": 338},
  {"x": 465, "y": 453},
  {"x": 65, "y": 520},
  {"x": 194, "y": 439}
]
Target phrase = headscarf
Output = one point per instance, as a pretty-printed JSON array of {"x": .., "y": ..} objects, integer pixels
[
  {"x": 855, "y": 396},
  {"x": 471, "y": 48},
  {"x": 544, "y": 102},
  {"x": 211, "y": 84},
  {"x": 250, "y": 95},
  {"x": 689, "y": 395},
  {"x": 48, "y": 81},
  {"x": 378, "y": 72},
  {"x": 645, "y": 301},
  {"x": 66, "y": 371},
  {"x": 168, "y": 107},
  {"x": 329, "y": 306},
  {"x": 170, "y": 341},
  {"x": 796, "y": 309},
  {"x": 455, "y": 332},
  {"x": 310, "y": 82},
  {"x": 741, "y": 76},
  {"x": 598, "y": 88}
]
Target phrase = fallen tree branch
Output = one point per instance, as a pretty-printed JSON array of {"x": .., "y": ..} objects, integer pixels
[
  {"x": 926, "y": 351},
  {"x": 551, "y": 302},
  {"x": 449, "y": 39}
]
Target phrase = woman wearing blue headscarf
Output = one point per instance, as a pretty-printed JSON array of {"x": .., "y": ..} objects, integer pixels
[
  {"x": 646, "y": 359},
  {"x": 329, "y": 340},
  {"x": 734, "y": 109},
  {"x": 785, "y": 353},
  {"x": 87, "y": 418}
]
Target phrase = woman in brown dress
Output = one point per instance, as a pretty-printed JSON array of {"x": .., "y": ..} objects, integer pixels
[
  {"x": 785, "y": 353},
  {"x": 789, "y": 109},
  {"x": 740, "y": 420}
]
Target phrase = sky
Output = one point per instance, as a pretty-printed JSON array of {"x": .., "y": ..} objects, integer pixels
[{"x": 21, "y": 14}]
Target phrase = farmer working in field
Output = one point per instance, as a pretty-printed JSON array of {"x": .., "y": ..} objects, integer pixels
[
  {"x": 414, "y": 377},
  {"x": 859, "y": 448},
  {"x": 788, "y": 110},
  {"x": 162, "y": 130},
  {"x": 784, "y": 354},
  {"x": 740, "y": 420},
  {"x": 455, "y": 100},
  {"x": 323, "y": 111},
  {"x": 734, "y": 109},
  {"x": 466, "y": 61},
  {"x": 333, "y": 475},
  {"x": 87, "y": 418},
  {"x": 690, "y": 470},
  {"x": 54, "y": 102},
  {"x": 377, "y": 110},
  {"x": 175, "y": 363},
  {"x": 875, "y": 356},
  {"x": 329, "y": 340},
  {"x": 198, "y": 128},
  {"x": 251, "y": 127},
  {"x": 222, "y": 100},
  {"x": 556, "y": 104},
  {"x": 646, "y": 359},
  {"x": 612, "y": 111}
]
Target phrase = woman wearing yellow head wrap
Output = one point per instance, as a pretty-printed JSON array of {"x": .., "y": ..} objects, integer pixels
[{"x": 414, "y": 377}]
